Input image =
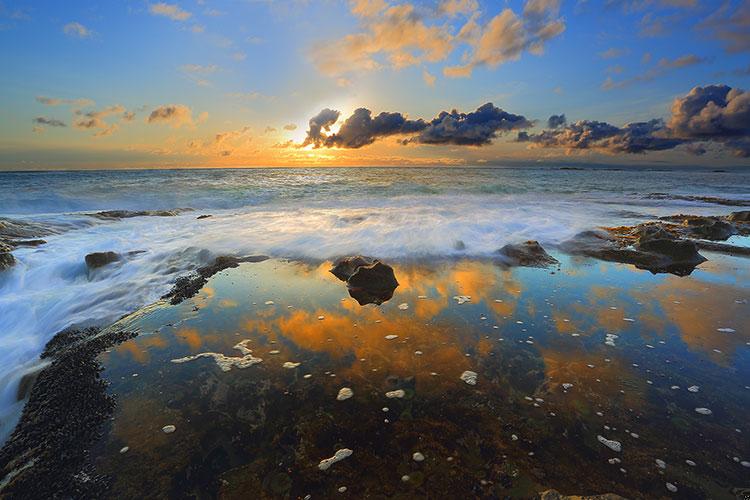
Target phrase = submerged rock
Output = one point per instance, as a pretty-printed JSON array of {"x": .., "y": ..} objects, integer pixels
[
  {"x": 469, "y": 377},
  {"x": 610, "y": 443},
  {"x": 527, "y": 254},
  {"x": 369, "y": 281},
  {"x": 101, "y": 259}
]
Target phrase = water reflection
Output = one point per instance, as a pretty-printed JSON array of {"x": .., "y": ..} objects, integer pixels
[{"x": 547, "y": 384}]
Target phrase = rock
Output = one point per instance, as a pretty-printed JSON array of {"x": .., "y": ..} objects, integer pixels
[
  {"x": 187, "y": 286},
  {"x": 346, "y": 267},
  {"x": 469, "y": 377},
  {"x": 741, "y": 216},
  {"x": 344, "y": 393},
  {"x": 726, "y": 248},
  {"x": 125, "y": 214},
  {"x": 610, "y": 443},
  {"x": 653, "y": 247},
  {"x": 168, "y": 429},
  {"x": 703, "y": 411},
  {"x": 369, "y": 281},
  {"x": 6, "y": 258},
  {"x": 398, "y": 394},
  {"x": 341, "y": 454},
  {"x": 555, "y": 495},
  {"x": 101, "y": 259},
  {"x": 205, "y": 216},
  {"x": 417, "y": 457},
  {"x": 25, "y": 243},
  {"x": 698, "y": 226},
  {"x": 527, "y": 254}
]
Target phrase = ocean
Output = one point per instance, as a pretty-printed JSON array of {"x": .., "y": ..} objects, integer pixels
[{"x": 297, "y": 213}]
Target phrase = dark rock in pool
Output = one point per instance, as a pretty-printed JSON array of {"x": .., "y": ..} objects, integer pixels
[
  {"x": 101, "y": 259},
  {"x": 369, "y": 281},
  {"x": 652, "y": 247},
  {"x": 527, "y": 254},
  {"x": 6, "y": 258},
  {"x": 205, "y": 216}
]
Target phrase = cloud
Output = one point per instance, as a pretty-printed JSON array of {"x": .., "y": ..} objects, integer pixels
[
  {"x": 428, "y": 78},
  {"x": 661, "y": 68},
  {"x": 172, "y": 11},
  {"x": 731, "y": 26},
  {"x": 77, "y": 30},
  {"x": 52, "y": 101},
  {"x": 477, "y": 128},
  {"x": 715, "y": 114},
  {"x": 221, "y": 144},
  {"x": 95, "y": 120},
  {"x": 318, "y": 123},
  {"x": 290, "y": 126},
  {"x": 507, "y": 36},
  {"x": 175, "y": 115},
  {"x": 613, "y": 53},
  {"x": 556, "y": 121},
  {"x": 197, "y": 73},
  {"x": 399, "y": 34},
  {"x": 269, "y": 129},
  {"x": 457, "y": 7},
  {"x": 367, "y": 8},
  {"x": 51, "y": 122}
]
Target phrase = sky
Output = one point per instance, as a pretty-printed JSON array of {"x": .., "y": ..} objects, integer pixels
[{"x": 242, "y": 83}]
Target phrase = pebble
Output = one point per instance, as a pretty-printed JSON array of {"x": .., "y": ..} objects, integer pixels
[
  {"x": 403, "y": 306},
  {"x": 342, "y": 489},
  {"x": 339, "y": 455},
  {"x": 307, "y": 375},
  {"x": 344, "y": 393},
  {"x": 745, "y": 463},
  {"x": 391, "y": 337},
  {"x": 274, "y": 352},
  {"x": 610, "y": 443},
  {"x": 124, "y": 449},
  {"x": 469, "y": 377},
  {"x": 661, "y": 463},
  {"x": 671, "y": 487},
  {"x": 290, "y": 365},
  {"x": 462, "y": 299},
  {"x": 693, "y": 388},
  {"x": 269, "y": 302},
  {"x": 405, "y": 478},
  {"x": 417, "y": 457},
  {"x": 398, "y": 393},
  {"x": 567, "y": 385},
  {"x": 690, "y": 463},
  {"x": 703, "y": 411},
  {"x": 630, "y": 320},
  {"x": 168, "y": 429},
  {"x": 725, "y": 330},
  {"x": 418, "y": 353},
  {"x": 321, "y": 318}
]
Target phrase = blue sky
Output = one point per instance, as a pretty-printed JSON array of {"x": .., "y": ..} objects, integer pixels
[{"x": 214, "y": 83}]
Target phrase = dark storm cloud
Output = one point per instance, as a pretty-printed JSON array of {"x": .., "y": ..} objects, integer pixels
[
  {"x": 52, "y": 122},
  {"x": 715, "y": 114},
  {"x": 555, "y": 121},
  {"x": 477, "y": 128},
  {"x": 360, "y": 129},
  {"x": 714, "y": 111},
  {"x": 318, "y": 123}
]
